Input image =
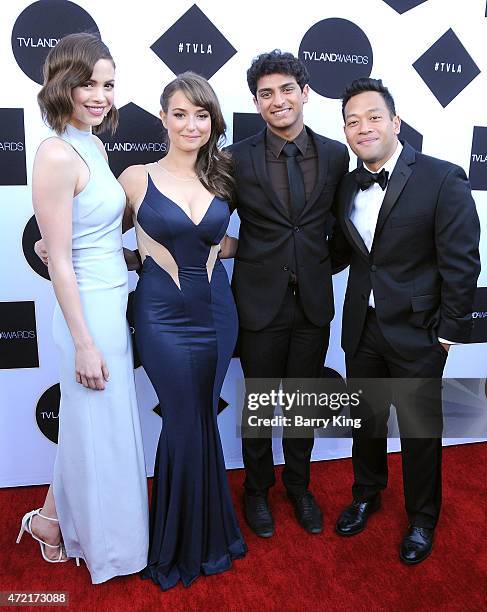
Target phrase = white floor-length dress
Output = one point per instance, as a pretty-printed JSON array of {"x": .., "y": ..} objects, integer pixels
[{"x": 99, "y": 482}]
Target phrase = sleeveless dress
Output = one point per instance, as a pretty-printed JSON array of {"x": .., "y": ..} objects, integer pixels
[
  {"x": 186, "y": 329},
  {"x": 99, "y": 482}
]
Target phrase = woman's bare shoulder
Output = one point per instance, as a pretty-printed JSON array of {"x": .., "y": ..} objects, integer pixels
[
  {"x": 56, "y": 151},
  {"x": 134, "y": 181}
]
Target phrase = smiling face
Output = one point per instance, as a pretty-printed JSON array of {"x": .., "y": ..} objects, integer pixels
[
  {"x": 280, "y": 101},
  {"x": 93, "y": 100},
  {"x": 188, "y": 126},
  {"x": 370, "y": 130}
]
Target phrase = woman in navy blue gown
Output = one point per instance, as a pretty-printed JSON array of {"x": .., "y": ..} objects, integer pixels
[{"x": 186, "y": 329}]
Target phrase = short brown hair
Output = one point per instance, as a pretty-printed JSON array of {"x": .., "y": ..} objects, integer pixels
[{"x": 70, "y": 64}]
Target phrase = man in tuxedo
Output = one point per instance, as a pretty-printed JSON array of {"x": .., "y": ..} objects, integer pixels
[
  {"x": 286, "y": 178},
  {"x": 412, "y": 232}
]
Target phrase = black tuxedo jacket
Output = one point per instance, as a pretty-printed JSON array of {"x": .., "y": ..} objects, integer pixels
[
  {"x": 424, "y": 261},
  {"x": 270, "y": 241}
]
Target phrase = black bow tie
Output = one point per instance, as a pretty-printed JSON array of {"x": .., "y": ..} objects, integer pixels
[{"x": 365, "y": 178}]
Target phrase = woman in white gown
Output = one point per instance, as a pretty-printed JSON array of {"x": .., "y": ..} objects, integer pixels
[{"x": 96, "y": 507}]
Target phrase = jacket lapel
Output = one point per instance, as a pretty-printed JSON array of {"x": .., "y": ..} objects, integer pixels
[
  {"x": 350, "y": 188},
  {"x": 257, "y": 153},
  {"x": 397, "y": 182}
]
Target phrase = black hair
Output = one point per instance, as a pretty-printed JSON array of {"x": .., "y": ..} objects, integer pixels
[
  {"x": 276, "y": 62},
  {"x": 366, "y": 84}
]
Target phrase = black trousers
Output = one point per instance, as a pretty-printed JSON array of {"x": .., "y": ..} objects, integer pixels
[
  {"x": 421, "y": 456},
  {"x": 289, "y": 347}
]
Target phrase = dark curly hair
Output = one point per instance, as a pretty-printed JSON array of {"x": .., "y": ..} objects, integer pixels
[
  {"x": 276, "y": 62},
  {"x": 70, "y": 64},
  {"x": 366, "y": 84},
  {"x": 213, "y": 166}
]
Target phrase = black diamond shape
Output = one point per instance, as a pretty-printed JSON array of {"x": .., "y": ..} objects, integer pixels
[
  {"x": 412, "y": 136},
  {"x": 401, "y": 6},
  {"x": 18, "y": 335},
  {"x": 139, "y": 139},
  {"x": 194, "y": 43},
  {"x": 446, "y": 68},
  {"x": 477, "y": 174},
  {"x": 12, "y": 147},
  {"x": 222, "y": 404},
  {"x": 246, "y": 124}
]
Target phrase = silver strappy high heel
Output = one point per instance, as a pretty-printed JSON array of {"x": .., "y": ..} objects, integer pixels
[{"x": 26, "y": 526}]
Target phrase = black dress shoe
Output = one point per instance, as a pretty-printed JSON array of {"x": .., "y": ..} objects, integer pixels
[
  {"x": 307, "y": 512},
  {"x": 354, "y": 518},
  {"x": 417, "y": 545},
  {"x": 258, "y": 515}
]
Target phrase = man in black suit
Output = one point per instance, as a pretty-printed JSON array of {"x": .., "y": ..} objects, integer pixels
[
  {"x": 413, "y": 234},
  {"x": 286, "y": 177}
]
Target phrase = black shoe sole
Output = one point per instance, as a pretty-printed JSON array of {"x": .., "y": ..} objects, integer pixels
[
  {"x": 262, "y": 534},
  {"x": 407, "y": 562},
  {"x": 349, "y": 534},
  {"x": 312, "y": 531}
]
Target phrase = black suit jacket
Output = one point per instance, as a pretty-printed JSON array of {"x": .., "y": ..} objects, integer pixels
[
  {"x": 424, "y": 261},
  {"x": 269, "y": 239}
]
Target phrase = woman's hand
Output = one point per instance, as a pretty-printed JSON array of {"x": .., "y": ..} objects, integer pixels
[
  {"x": 91, "y": 368},
  {"x": 41, "y": 251}
]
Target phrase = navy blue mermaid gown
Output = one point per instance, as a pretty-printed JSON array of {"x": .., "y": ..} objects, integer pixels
[{"x": 186, "y": 329}]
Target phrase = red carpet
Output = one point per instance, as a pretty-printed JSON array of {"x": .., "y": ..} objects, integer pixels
[{"x": 294, "y": 570}]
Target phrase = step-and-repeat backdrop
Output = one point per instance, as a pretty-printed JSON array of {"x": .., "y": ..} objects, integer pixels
[{"x": 430, "y": 53}]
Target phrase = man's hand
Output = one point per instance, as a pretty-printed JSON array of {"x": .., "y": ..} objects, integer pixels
[
  {"x": 228, "y": 247},
  {"x": 132, "y": 259},
  {"x": 41, "y": 251}
]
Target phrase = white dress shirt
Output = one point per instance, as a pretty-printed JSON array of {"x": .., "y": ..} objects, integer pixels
[{"x": 366, "y": 207}]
